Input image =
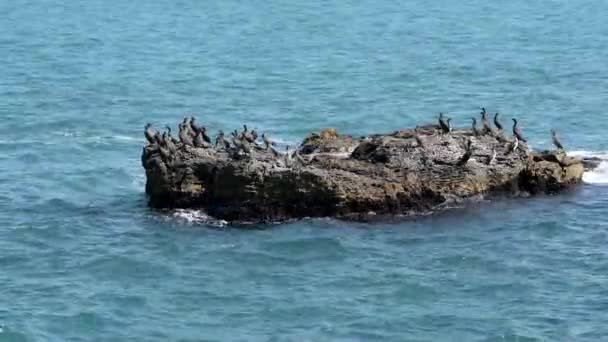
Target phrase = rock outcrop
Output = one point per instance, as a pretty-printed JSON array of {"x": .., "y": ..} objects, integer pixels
[{"x": 409, "y": 172}]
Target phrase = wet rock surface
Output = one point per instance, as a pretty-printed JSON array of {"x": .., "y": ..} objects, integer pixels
[{"x": 409, "y": 172}]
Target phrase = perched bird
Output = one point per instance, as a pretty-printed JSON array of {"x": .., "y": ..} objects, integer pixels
[
  {"x": 492, "y": 158},
  {"x": 467, "y": 154},
  {"x": 484, "y": 120},
  {"x": 444, "y": 126},
  {"x": 203, "y": 132},
  {"x": 220, "y": 140},
  {"x": 247, "y": 136},
  {"x": 158, "y": 137},
  {"x": 184, "y": 135},
  {"x": 497, "y": 123},
  {"x": 150, "y": 134},
  {"x": 474, "y": 127},
  {"x": 288, "y": 157},
  {"x": 556, "y": 141},
  {"x": 169, "y": 143},
  {"x": 240, "y": 145},
  {"x": 267, "y": 141},
  {"x": 513, "y": 146},
  {"x": 164, "y": 153},
  {"x": 244, "y": 132},
  {"x": 193, "y": 127},
  {"x": 449, "y": 125},
  {"x": 198, "y": 140},
  {"x": 517, "y": 132},
  {"x": 170, "y": 137}
]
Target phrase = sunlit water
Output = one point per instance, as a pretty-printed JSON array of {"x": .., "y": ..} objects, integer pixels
[{"x": 83, "y": 259}]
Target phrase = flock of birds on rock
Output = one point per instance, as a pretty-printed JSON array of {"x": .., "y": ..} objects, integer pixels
[
  {"x": 486, "y": 129},
  {"x": 192, "y": 135}
]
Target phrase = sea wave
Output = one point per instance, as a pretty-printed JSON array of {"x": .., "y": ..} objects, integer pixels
[
  {"x": 197, "y": 216},
  {"x": 600, "y": 174}
]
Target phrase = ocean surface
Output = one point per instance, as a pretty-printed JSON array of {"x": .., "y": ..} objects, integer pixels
[{"x": 82, "y": 258}]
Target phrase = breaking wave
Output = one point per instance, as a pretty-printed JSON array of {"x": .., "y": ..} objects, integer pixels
[{"x": 600, "y": 174}]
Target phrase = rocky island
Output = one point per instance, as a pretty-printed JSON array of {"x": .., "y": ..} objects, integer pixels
[{"x": 408, "y": 172}]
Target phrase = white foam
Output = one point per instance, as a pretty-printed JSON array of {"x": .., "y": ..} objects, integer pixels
[
  {"x": 198, "y": 216},
  {"x": 600, "y": 174}
]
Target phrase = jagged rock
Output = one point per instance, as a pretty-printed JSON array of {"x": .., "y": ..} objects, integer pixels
[{"x": 406, "y": 173}]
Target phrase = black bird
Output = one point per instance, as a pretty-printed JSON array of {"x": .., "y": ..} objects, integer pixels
[
  {"x": 170, "y": 137},
  {"x": 496, "y": 123},
  {"x": 517, "y": 131},
  {"x": 467, "y": 154},
  {"x": 267, "y": 141},
  {"x": 556, "y": 141},
  {"x": 203, "y": 132},
  {"x": 150, "y": 133},
  {"x": 221, "y": 141},
  {"x": 164, "y": 153},
  {"x": 492, "y": 158},
  {"x": 168, "y": 142},
  {"x": 444, "y": 126},
  {"x": 513, "y": 146},
  {"x": 158, "y": 138},
  {"x": 474, "y": 127},
  {"x": 193, "y": 125},
  {"x": 184, "y": 135},
  {"x": 198, "y": 140},
  {"x": 484, "y": 120},
  {"x": 240, "y": 145},
  {"x": 247, "y": 136}
]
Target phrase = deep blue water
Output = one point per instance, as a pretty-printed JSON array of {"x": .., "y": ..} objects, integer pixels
[{"x": 83, "y": 259}]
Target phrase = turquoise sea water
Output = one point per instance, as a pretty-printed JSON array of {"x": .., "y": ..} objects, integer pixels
[{"x": 83, "y": 259}]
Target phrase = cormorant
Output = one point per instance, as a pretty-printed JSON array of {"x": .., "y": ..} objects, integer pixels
[
  {"x": 267, "y": 142},
  {"x": 493, "y": 157},
  {"x": 203, "y": 131},
  {"x": 150, "y": 134},
  {"x": 198, "y": 140},
  {"x": 240, "y": 145},
  {"x": 484, "y": 120},
  {"x": 169, "y": 143},
  {"x": 221, "y": 141},
  {"x": 171, "y": 138},
  {"x": 467, "y": 154},
  {"x": 193, "y": 127},
  {"x": 443, "y": 125},
  {"x": 184, "y": 135},
  {"x": 556, "y": 141},
  {"x": 288, "y": 157},
  {"x": 517, "y": 131},
  {"x": 474, "y": 127},
  {"x": 248, "y": 137},
  {"x": 513, "y": 146},
  {"x": 497, "y": 123}
]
